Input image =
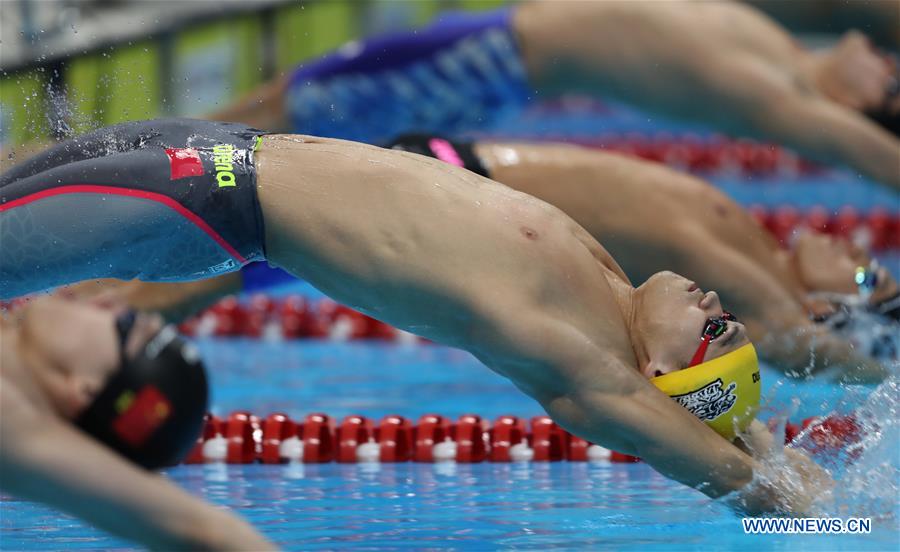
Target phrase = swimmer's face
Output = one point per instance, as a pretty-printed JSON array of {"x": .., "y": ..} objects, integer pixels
[
  {"x": 671, "y": 313},
  {"x": 76, "y": 347},
  {"x": 826, "y": 263}
]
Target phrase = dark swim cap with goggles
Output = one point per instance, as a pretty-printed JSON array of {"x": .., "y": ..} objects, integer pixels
[{"x": 150, "y": 410}]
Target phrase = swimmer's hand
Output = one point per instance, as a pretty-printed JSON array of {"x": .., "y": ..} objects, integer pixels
[
  {"x": 785, "y": 480},
  {"x": 816, "y": 350}
]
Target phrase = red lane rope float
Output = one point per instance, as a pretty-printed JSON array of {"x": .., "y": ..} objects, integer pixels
[
  {"x": 716, "y": 154},
  {"x": 293, "y": 317},
  {"x": 878, "y": 229},
  {"x": 243, "y": 438}
]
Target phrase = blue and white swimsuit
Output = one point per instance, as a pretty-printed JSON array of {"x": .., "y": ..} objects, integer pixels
[{"x": 461, "y": 73}]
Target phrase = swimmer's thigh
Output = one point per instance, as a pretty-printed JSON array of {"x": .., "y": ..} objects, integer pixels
[{"x": 100, "y": 218}]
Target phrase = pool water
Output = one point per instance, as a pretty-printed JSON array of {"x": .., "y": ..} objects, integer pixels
[{"x": 443, "y": 506}]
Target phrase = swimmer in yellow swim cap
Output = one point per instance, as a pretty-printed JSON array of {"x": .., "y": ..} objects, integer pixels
[
  {"x": 723, "y": 392},
  {"x": 417, "y": 243}
]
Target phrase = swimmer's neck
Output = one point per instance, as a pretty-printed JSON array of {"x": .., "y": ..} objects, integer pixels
[{"x": 628, "y": 300}]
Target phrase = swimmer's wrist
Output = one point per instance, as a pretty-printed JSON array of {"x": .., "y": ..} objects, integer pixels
[{"x": 787, "y": 483}]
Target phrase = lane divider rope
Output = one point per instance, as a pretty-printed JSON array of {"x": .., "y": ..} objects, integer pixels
[{"x": 243, "y": 438}]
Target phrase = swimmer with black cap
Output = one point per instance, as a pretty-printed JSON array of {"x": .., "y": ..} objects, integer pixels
[
  {"x": 428, "y": 247},
  {"x": 91, "y": 398}
]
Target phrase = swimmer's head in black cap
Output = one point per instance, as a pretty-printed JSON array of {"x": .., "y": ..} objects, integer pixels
[{"x": 151, "y": 409}]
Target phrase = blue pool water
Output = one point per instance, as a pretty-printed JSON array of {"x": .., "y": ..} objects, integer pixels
[{"x": 441, "y": 506}]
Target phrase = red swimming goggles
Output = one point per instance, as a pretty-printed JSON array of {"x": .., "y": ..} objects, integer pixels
[{"x": 714, "y": 328}]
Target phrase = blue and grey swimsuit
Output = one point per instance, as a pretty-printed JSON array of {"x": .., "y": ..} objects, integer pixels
[{"x": 162, "y": 200}]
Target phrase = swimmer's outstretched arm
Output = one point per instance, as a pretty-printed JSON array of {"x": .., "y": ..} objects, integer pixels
[
  {"x": 43, "y": 459},
  {"x": 762, "y": 103},
  {"x": 465, "y": 261},
  {"x": 175, "y": 301}
]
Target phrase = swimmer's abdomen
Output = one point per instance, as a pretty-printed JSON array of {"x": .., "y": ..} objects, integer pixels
[{"x": 124, "y": 215}]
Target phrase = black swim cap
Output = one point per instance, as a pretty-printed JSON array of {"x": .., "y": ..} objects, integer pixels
[{"x": 151, "y": 410}]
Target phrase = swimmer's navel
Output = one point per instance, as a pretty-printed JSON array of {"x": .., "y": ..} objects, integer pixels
[{"x": 529, "y": 233}]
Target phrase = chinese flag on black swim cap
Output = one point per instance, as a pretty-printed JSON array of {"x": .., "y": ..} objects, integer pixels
[{"x": 152, "y": 409}]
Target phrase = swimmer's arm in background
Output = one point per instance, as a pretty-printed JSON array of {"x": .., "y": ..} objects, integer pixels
[
  {"x": 813, "y": 348},
  {"x": 175, "y": 301},
  {"x": 45, "y": 459},
  {"x": 776, "y": 321},
  {"x": 749, "y": 95},
  {"x": 734, "y": 91},
  {"x": 261, "y": 108}
]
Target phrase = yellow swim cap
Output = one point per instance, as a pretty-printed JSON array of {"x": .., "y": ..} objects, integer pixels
[{"x": 723, "y": 392}]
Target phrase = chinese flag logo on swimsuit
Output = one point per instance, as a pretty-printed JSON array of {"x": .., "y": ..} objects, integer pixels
[
  {"x": 184, "y": 162},
  {"x": 140, "y": 415}
]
